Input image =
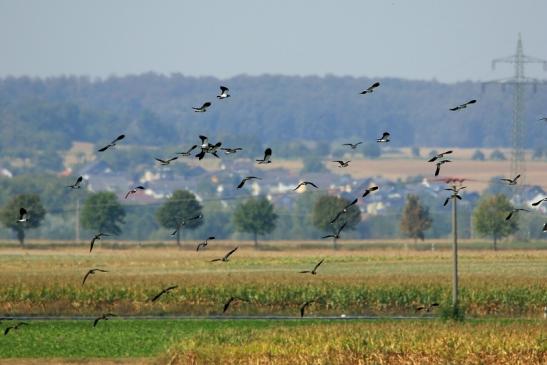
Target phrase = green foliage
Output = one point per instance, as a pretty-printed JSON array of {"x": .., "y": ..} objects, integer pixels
[
  {"x": 9, "y": 214},
  {"x": 489, "y": 218},
  {"x": 179, "y": 207},
  {"x": 327, "y": 207},
  {"x": 102, "y": 212},
  {"x": 497, "y": 155},
  {"x": 453, "y": 313},
  {"x": 371, "y": 150},
  {"x": 313, "y": 163},
  {"x": 256, "y": 216},
  {"x": 478, "y": 156},
  {"x": 415, "y": 219}
]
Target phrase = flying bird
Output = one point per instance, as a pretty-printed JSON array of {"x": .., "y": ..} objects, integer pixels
[
  {"x": 545, "y": 227},
  {"x": 427, "y": 307},
  {"x": 227, "y": 256},
  {"x": 229, "y": 151},
  {"x": 223, "y": 93},
  {"x": 134, "y": 190},
  {"x": 511, "y": 181},
  {"x": 439, "y": 164},
  {"x": 463, "y": 106},
  {"x": 203, "y": 108},
  {"x": 384, "y": 138},
  {"x": 305, "y": 183},
  {"x": 314, "y": 271},
  {"x": 15, "y": 327},
  {"x": 189, "y": 151},
  {"x": 104, "y": 317},
  {"x": 113, "y": 143},
  {"x": 439, "y": 156},
  {"x": 352, "y": 145},
  {"x": 344, "y": 210},
  {"x": 164, "y": 291},
  {"x": 515, "y": 210},
  {"x": 207, "y": 147},
  {"x": 165, "y": 162},
  {"x": 91, "y": 272},
  {"x": 245, "y": 179},
  {"x": 76, "y": 185},
  {"x": 535, "y": 204},
  {"x": 204, "y": 243},
  {"x": 370, "y": 88},
  {"x": 337, "y": 234},
  {"x": 304, "y": 306},
  {"x": 95, "y": 238},
  {"x": 369, "y": 190},
  {"x": 543, "y": 119},
  {"x": 267, "y": 156},
  {"x": 183, "y": 223},
  {"x": 343, "y": 163},
  {"x": 23, "y": 215},
  {"x": 232, "y": 299}
]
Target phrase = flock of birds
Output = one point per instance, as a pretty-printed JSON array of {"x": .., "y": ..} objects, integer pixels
[{"x": 209, "y": 148}]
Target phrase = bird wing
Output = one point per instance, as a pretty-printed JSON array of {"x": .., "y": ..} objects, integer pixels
[
  {"x": 545, "y": 227},
  {"x": 446, "y": 202},
  {"x": 224, "y": 88},
  {"x": 375, "y": 85},
  {"x": 213, "y": 260},
  {"x": 172, "y": 158},
  {"x": 352, "y": 203},
  {"x": 227, "y": 304},
  {"x": 79, "y": 180},
  {"x": 22, "y": 212},
  {"x": 304, "y": 272},
  {"x": 92, "y": 243},
  {"x": 267, "y": 154},
  {"x": 160, "y": 160},
  {"x": 312, "y": 184},
  {"x": 158, "y": 295},
  {"x": 231, "y": 252},
  {"x": 119, "y": 138},
  {"x": 455, "y": 108},
  {"x": 171, "y": 288},
  {"x": 473, "y": 101},
  {"x": 328, "y": 236},
  {"x": 86, "y": 275},
  {"x": 385, "y": 135},
  {"x": 438, "y": 169},
  {"x": 341, "y": 228},
  {"x": 509, "y": 216},
  {"x": 242, "y": 183},
  {"x": 432, "y": 159},
  {"x": 204, "y": 139},
  {"x": 516, "y": 178},
  {"x": 128, "y": 193},
  {"x": 205, "y": 105},
  {"x": 192, "y": 148},
  {"x": 318, "y": 264},
  {"x": 97, "y": 321},
  {"x": 201, "y": 244},
  {"x": 299, "y": 185},
  {"x": 7, "y": 330},
  {"x": 104, "y": 148},
  {"x": 303, "y": 308},
  {"x": 336, "y": 218}
]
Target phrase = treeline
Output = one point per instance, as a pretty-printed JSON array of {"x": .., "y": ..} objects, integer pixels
[{"x": 41, "y": 117}]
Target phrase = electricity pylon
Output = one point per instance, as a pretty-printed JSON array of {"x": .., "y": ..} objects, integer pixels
[{"x": 518, "y": 161}]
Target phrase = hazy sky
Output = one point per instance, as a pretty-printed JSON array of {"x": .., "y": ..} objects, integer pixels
[{"x": 425, "y": 39}]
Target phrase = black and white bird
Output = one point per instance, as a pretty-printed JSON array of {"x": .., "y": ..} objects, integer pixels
[
  {"x": 352, "y": 145},
  {"x": 226, "y": 257},
  {"x": 134, "y": 190},
  {"x": 229, "y": 151},
  {"x": 463, "y": 106},
  {"x": 314, "y": 271},
  {"x": 203, "y": 108},
  {"x": 113, "y": 143},
  {"x": 439, "y": 164},
  {"x": 104, "y": 317},
  {"x": 165, "y": 162},
  {"x": 183, "y": 222},
  {"x": 427, "y": 307},
  {"x": 207, "y": 147},
  {"x": 439, "y": 156},
  {"x": 455, "y": 195},
  {"x": 245, "y": 179},
  {"x": 369, "y": 190},
  {"x": 14, "y": 327},
  {"x": 205, "y": 243},
  {"x": 543, "y": 119},
  {"x": 342, "y": 163},
  {"x": 384, "y": 138},
  {"x": 163, "y": 291},
  {"x": 223, "y": 93},
  {"x": 336, "y": 235},
  {"x": 305, "y": 183},
  {"x": 91, "y": 272},
  {"x": 230, "y": 301},
  {"x": 267, "y": 156},
  {"x": 545, "y": 227},
  {"x": 515, "y": 210},
  {"x": 95, "y": 238},
  {"x": 511, "y": 181},
  {"x": 188, "y": 152},
  {"x": 535, "y": 204},
  {"x": 77, "y": 184},
  {"x": 344, "y": 210},
  {"x": 23, "y": 216},
  {"x": 370, "y": 88},
  {"x": 304, "y": 306}
]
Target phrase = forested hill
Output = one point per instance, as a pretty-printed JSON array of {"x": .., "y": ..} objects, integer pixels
[{"x": 153, "y": 109}]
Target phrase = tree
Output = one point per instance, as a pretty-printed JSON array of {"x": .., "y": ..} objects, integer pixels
[
  {"x": 497, "y": 155},
  {"x": 256, "y": 216},
  {"x": 9, "y": 215},
  {"x": 327, "y": 207},
  {"x": 181, "y": 206},
  {"x": 313, "y": 164},
  {"x": 478, "y": 156},
  {"x": 415, "y": 219},
  {"x": 102, "y": 212},
  {"x": 489, "y": 218}
]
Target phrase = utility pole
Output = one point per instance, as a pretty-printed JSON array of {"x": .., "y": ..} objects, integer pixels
[
  {"x": 455, "y": 197},
  {"x": 77, "y": 223},
  {"x": 518, "y": 160}
]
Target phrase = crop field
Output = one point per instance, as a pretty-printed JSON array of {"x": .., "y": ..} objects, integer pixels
[{"x": 371, "y": 282}]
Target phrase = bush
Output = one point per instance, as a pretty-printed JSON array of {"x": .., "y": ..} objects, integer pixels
[
  {"x": 497, "y": 155},
  {"x": 478, "y": 156}
]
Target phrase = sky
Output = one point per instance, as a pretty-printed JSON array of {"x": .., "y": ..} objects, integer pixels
[{"x": 449, "y": 41}]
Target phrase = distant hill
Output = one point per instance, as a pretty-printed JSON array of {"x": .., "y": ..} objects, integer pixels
[{"x": 48, "y": 114}]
